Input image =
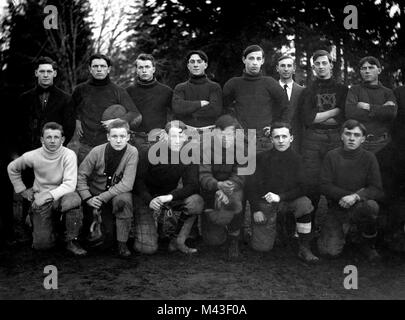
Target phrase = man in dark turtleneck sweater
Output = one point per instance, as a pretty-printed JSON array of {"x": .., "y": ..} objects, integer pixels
[
  {"x": 152, "y": 98},
  {"x": 277, "y": 188},
  {"x": 254, "y": 99},
  {"x": 198, "y": 101},
  {"x": 351, "y": 181},
  {"x": 372, "y": 104},
  {"x": 322, "y": 112},
  {"x": 92, "y": 97}
]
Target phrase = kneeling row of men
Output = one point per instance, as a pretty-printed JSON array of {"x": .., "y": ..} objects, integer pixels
[{"x": 115, "y": 178}]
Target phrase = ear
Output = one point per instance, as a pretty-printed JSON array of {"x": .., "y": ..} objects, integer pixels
[
  {"x": 55, "y": 73},
  {"x": 36, "y": 73},
  {"x": 109, "y": 69},
  {"x": 379, "y": 70},
  {"x": 363, "y": 138},
  {"x": 108, "y": 136},
  {"x": 291, "y": 138},
  {"x": 42, "y": 139},
  {"x": 331, "y": 65},
  {"x": 243, "y": 60},
  {"x": 63, "y": 140}
]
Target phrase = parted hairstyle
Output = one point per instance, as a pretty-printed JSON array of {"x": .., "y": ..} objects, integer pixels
[
  {"x": 351, "y": 124},
  {"x": 45, "y": 60},
  {"x": 53, "y": 126},
  {"x": 280, "y": 124},
  {"x": 200, "y": 53},
  {"x": 321, "y": 53},
  {"x": 119, "y": 123},
  {"x": 145, "y": 57},
  {"x": 99, "y": 56},
  {"x": 371, "y": 60}
]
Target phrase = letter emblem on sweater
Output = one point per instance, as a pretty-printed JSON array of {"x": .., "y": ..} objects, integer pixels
[{"x": 326, "y": 101}]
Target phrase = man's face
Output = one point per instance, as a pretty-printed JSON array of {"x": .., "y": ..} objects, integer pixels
[
  {"x": 52, "y": 139},
  {"x": 286, "y": 69},
  {"x": 45, "y": 74},
  {"x": 228, "y": 137},
  {"x": 145, "y": 69},
  {"x": 369, "y": 73},
  {"x": 281, "y": 138},
  {"x": 352, "y": 138},
  {"x": 176, "y": 138},
  {"x": 118, "y": 138},
  {"x": 99, "y": 69},
  {"x": 322, "y": 67},
  {"x": 253, "y": 62},
  {"x": 196, "y": 65}
]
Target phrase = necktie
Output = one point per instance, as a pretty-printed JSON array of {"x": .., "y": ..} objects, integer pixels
[{"x": 285, "y": 90}]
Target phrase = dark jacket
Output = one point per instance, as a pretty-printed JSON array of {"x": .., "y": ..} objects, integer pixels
[{"x": 58, "y": 108}]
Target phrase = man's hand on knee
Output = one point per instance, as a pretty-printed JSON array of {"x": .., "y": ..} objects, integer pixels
[
  {"x": 349, "y": 200},
  {"x": 222, "y": 197},
  {"x": 95, "y": 202},
  {"x": 271, "y": 197},
  {"x": 259, "y": 217},
  {"x": 28, "y": 194},
  {"x": 42, "y": 198}
]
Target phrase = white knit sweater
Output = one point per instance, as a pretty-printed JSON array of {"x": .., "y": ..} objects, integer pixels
[{"x": 55, "y": 172}]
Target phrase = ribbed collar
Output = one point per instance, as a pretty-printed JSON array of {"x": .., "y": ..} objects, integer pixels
[
  {"x": 51, "y": 155},
  {"x": 146, "y": 84},
  {"x": 371, "y": 86},
  {"x": 99, "y": 83},
  {"x": 250, "y": 77},
  {"x": 200, "y": 79},
  {"x": 324, "y": 82},
  {"x": 351, "y": 154}
]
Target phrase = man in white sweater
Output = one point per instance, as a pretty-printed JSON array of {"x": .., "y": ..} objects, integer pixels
[{"x": 52, "y": 196}]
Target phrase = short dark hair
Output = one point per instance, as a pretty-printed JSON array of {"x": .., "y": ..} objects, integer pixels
[
  {"x": 200, "y": 53},
  {"x": 371, "y": 60},
  {"x": 351, "y": 124},
  {"x": 119, "y": 123},
  {"x": 52, "y": 126},
  {"x": 99, "y": 56},
  {"x": 227, "y": 120},
  {"x": 321, "y": 53},
  {"x": 280, "y": 124},
  {"x": 175, "y": 124},
  {"x": 252, "y": 48},
  {"x": 285, "y": 56},
  {"x": 45, "y": 60},
  {"x": 145, "y": 57}
]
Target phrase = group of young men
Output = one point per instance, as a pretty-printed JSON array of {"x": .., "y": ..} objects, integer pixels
[{"x": 135, "y": 145}]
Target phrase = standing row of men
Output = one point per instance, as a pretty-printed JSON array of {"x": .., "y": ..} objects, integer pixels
[{"x": 256, "y": 101}]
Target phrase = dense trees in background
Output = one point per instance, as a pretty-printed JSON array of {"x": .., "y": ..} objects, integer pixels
[
  {"x": 69, "y": 45},
  {"x": 169, "y": 28}
]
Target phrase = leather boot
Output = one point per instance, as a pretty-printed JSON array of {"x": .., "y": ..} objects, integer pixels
[
  {"x": 367, "y": 248},
  {"x": 304, "y": 249},
  {"x": 123, "y": 249},
  {"x": 75, "y": 248}
]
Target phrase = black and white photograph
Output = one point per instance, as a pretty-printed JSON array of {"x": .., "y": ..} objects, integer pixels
[{"x": 199, "y": 156}]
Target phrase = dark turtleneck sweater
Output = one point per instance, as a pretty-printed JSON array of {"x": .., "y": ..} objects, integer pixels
[
  {"x": 347, "y": 172},
  {"x": 380, "y": 118},
  {"x": 153, "y": 99},
  {"x": 322, "y": 95},
  {"x": 277, "y": 172},
  {"x": 34, "y": 111},
  {"x": 256, "y": 101},
  {"x": 154, "y": 180},
  {"x": 186, "y": 102},
  {"x": 91, "y": 98}
]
